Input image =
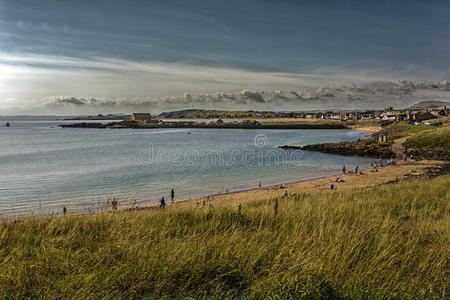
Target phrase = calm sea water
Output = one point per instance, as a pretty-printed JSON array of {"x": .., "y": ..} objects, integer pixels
[{"x": 44, "y": 167}]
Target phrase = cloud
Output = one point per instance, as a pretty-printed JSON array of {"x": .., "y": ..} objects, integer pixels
[
  {"x": 253, "y": 96},
  {"x": 187, "y": 97},
  {"x": 374, "y": 95},
  {"x": 39, "y": 76},
  {"x": 69, "y": 100},
  {"x": 112, "y": 85},
  {"x": 222, "y": 95},
  {"x": 21, "y": 25}
]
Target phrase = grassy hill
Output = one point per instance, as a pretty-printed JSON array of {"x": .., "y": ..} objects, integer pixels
[
  {"x": 436, "y": 138},
  {"x": 390, "y": 241},
  {"x": 430, "y": 144},
  {"x": 429, "y": 104}
]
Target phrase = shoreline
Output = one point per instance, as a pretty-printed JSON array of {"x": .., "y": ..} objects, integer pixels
[
  {"x": 385, "y": 175},
  {"x": 193, "y": 125}
]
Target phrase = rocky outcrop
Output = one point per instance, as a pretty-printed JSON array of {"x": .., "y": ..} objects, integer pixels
[
  {"x": 84, "y": 125},
  {"x": 366, "y": 148},
  {"x": 429, "y": 153}
]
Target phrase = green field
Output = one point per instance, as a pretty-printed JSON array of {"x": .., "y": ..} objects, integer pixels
[
  {"x": 390, "y": 241},
  {"x": 407, "y": 129}
]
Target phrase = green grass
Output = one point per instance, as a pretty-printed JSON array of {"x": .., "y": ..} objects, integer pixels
[
  {"x": 390, "y": 241},
  {"x": 434, "y": 138},
  {"x": 409, "y": 129}
]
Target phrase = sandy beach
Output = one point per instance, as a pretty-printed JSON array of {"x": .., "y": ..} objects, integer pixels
[{"x": 385, "y": 175}]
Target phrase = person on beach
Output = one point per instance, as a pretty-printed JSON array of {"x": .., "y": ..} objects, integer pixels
[
  {"x": 64, "y": 210},
  {"x": 344, "y": 170},
  {"x": 332, "y": 187},
  {"x": 163, "y": 203},
  {"x": 260, "y": 184},
  {"x": 356, "y": 170},
  {"x": 172, "y": 196},
  {"x": 114, "y": 204}
]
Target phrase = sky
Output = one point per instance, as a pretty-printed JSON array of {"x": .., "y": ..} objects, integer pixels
[{"x": 81, "y": 57}]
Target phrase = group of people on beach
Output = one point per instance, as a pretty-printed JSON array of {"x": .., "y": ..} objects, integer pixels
[
  {"x": 356, "y": 172},
  {"x": 162, "y": 204},
  {"x": 115, "y": 203}
]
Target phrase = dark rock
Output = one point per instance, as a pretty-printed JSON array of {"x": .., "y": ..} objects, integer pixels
[
  {"x": 366, "y": 148},
  {"x": 84, "y": 125}
]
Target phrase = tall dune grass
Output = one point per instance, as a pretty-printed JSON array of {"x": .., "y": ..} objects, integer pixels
[{"x": 390, "y": 241}]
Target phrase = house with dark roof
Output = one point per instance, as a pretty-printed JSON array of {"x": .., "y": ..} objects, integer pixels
[
  {"x": 141, "y": 117},
  {"x": 419, "y": 116}
]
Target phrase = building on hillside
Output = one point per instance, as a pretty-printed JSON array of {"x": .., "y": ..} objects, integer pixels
[
  {"x": 402, "y": 117},
  {"x": 141, "y": 116},
  {"x": 419, "y": 116},
  {"x": 335, "y": 116},
  {"x": 439, "y": 112},
  {"x": 388, "y": 117}
]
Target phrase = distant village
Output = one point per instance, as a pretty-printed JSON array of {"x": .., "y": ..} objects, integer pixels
[
  {"x": 427, "y": 114},
  {"x": 415, "y": 114},
  {"x": 411, "y": 115},
  {"x": 389, "y": 114}
]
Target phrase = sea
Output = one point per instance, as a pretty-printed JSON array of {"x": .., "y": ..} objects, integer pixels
[{"x": 44, "y": 167}]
